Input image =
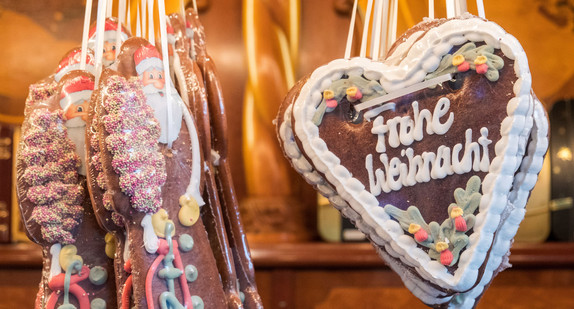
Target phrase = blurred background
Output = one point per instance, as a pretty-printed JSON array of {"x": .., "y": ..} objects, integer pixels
[{"x": 306, "y": 255}]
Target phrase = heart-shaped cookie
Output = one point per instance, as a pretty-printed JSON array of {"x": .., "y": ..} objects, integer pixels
[{"x": 432, "y": 152}]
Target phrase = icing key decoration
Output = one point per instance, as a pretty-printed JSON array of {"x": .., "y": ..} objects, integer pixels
[
  {"x": 66, "y": 283},
  {"x": 132, "y": 140},
  {"x": 168, "y": 253},
  {"x": 52, "y": 174}
]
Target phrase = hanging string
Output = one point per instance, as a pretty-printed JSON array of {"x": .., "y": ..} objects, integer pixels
[
  {"x": 100, "y": 23},
  {"x": 393, "y": 20},
  {"x": 121, "y": 15},
  {"x": 151, "y": 29},
  {"x": 480, "y": 7},
  {"x": 138, "y": 21},
  {"x": 182, "y": 8},
  {"x": 384, "y": 31},
  {"x": 129, "y": 17},
  {"x": 378, "y": 25},
  {"x": 84, "y": 52},
  {"x": 363, "y": 51},
  {"x": 109, "y": 6},
  {"x": 460, "y": 7},
  {"x": 165, "y": 59},
  {"x": 351, "y": 31},
  {"x": 144, "y": 18},
  {"x": 431, "y": 9},
  {"x": 194, "y": 6},
  {"x": 450, "y": 9}
]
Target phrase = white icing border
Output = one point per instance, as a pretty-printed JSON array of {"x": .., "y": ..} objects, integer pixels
[
  {"x": 423, "y": 57},
  {"x": 524, "y": 183}
]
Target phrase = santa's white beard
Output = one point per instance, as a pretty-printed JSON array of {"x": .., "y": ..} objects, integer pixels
[
  {"x": 169, "y": 125},
  {"x": 107, "y": 63},
  {"x": 78, "y": 135}
]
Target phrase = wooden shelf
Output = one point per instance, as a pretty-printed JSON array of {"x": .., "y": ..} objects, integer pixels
[{"x": 326, "y": 255}]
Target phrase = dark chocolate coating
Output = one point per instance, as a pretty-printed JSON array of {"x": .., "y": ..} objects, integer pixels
[{"x": 89, "y": 237}]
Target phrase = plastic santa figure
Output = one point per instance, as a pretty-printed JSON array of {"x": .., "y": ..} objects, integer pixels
[
  {"x": 149, "y": 66},
  {"x": 74, "y": 100},
  {"x": 110, "y": 48}
]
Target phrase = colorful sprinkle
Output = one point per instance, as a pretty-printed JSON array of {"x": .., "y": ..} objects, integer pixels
[
  {"x": 132, "y": 140},
  {"x": 51, "y": 173}
]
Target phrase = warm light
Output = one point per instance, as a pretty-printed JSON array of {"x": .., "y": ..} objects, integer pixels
[{"x": 564, "y": 153}]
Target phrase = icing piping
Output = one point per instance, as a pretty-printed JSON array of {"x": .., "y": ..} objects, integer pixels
[
  {"x": 452, "y": 32},
  {"x": 169, "y": 254},
  {"x": 68, "y": 283},
  {"x": 128, "y": 285},
  {"x": 469, "y": 57},
  {"x": 150, "y": 239},
  {"x": 55, "y": 268},
  {"x": 357, "y": 89},
  {"x": 111, "y": 243},
  {"x": 447, "y": 240}
]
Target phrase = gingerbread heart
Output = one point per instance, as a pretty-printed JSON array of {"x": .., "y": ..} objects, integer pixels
[{"x": 432, "y": 152}]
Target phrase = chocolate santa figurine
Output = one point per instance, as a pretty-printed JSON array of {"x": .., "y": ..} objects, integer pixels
[
  {"x": 149, "y": 68},
  {"x": 110, "y": 37},
  {"x": 55, "y": 208},
  {"x": 151, "y": 159}
]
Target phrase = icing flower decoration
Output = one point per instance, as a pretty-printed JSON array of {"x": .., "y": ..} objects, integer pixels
[
  {"x": 420, "y": 234},
  {"x": 460, "y": 63},
  {"x": 446, "y": 256},
  {"x": 459, "y": 222},
  {"x": 480, "y": 63},
  {"x": 353, "y": 94},
  {"x": 329, "y": 96}
]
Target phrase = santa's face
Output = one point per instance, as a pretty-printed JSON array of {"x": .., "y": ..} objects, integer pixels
[
  {"x": 153, "y": 77},
  {"x": 78, "y": 109},
  {"x": 109, "y": 50}
]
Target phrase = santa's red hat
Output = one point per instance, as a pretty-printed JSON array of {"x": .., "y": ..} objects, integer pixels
[
  {"x": 110, "y": 29},
  {"x": 71, "y": 61},
  {"x": 76, "y": 89},
  {"x": 147, "y": 57}
]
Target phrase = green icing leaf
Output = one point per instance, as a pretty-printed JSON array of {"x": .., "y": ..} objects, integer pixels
[{"x": 467, "y": 199}]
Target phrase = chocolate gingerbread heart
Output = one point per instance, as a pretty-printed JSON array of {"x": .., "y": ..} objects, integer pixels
[{"x": 426, "y": 151}]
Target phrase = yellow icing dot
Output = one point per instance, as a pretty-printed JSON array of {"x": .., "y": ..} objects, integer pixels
[
  {"x": 67, "y": 255},
  {"x": 328, "y": 94},
  {"x": 457, "y": 60},
  {"x": 441, "y": 246},
  {"x": 352, "y": 91},
  {"x": 189, "y": 211},
  {"x": 158, "y": 221},
  {"x": 110, "y": 245},
  {"x": 480, "y": 60},
  {"x": 413, "y": 228},
  {"x": 456, "y": 212}
]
